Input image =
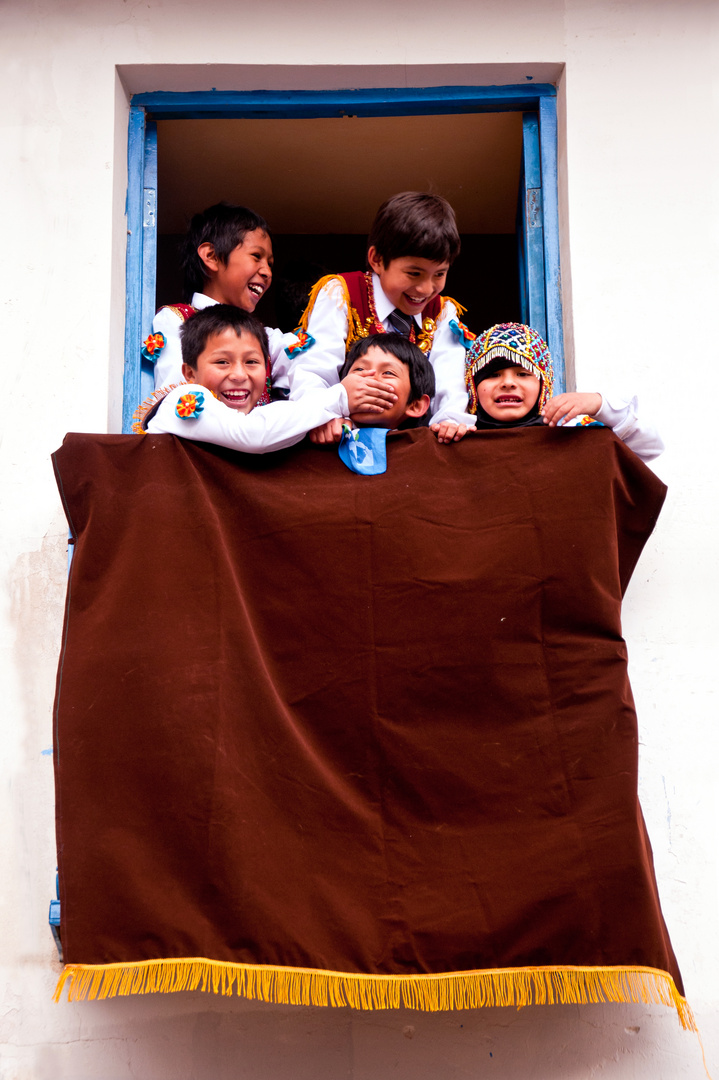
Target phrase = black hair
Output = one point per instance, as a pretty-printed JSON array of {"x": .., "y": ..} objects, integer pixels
[
  {"x": 195, "y": 331},
  {"x": 223, "y": 225},
  {"x": 421, "y": 372},
  {"x": 500, "y": 363},
  {"x": 415, "y": 223}
]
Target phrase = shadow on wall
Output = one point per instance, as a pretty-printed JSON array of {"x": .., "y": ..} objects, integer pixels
[{"x": 191, "y": 1037}]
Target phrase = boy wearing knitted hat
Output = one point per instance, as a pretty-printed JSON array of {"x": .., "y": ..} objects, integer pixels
[{"x": 510, "y": 379}]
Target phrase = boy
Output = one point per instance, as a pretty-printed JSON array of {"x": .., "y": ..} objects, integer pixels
[
  {"x": 227, "y": 259},
  {"x": 394, "y": 360},
  {"x": 509, "y": 380},
  {"x": 400, "y": 364},
  {"x": 224, "y": 351},
  {"x": 411, "y": 246}
]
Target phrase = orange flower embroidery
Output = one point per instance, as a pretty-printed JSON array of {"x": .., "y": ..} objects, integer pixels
[
  {"x": 152, "y": 346},
  {"x": 189, "y": 406}
]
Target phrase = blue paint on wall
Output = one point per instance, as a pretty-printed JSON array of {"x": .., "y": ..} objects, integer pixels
[
  {"x": 133, "y": 266},
  {"x": 388, "y": 101},
  {"x": 552, "y": 274}
]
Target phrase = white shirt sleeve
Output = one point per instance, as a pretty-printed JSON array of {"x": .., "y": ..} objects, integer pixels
[
  {"x": 269, "y": 427},
  {"x": 328, "y": 324},
  {"x": 168, "y": 369},
  {"x": 447, "y": 358},
  {"x": 280, "y": 361},
  {"x": 621, "y": 416}
]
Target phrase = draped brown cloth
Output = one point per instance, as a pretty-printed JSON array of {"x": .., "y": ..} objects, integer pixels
[{"x": 314, "y": 722}]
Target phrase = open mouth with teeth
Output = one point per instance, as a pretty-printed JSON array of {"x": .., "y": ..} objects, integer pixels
[
  {"x": 508, "y": 399},
  {"x": 235, "y": 398},
  {"x": 256, "y": 289}
]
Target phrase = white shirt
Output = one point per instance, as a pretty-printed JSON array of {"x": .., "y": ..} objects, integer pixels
[
  {"x": 168, "y": 369},
  {"x": 329, "y": 325},
  {"x": 621, "y": 416},
  {"x": 268, "y": 427}
]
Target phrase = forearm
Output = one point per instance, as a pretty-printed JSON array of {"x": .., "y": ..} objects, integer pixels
[
  {"x": 269, "y": 427},
  {"x": 622, "y": 417}
]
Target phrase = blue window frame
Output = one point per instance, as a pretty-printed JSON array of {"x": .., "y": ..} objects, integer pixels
[{"x": 538, "y": 219}]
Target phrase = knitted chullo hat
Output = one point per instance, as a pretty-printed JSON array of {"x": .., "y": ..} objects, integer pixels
[{"x": 520, "y": 346}]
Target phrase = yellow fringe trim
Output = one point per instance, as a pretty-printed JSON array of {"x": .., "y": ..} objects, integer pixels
[
  {"x": 432, "y": 993},
  {"x": 355, "y": 327},
  {"x": 460, "y": 309},
  {"x": 317, "y": 289}
]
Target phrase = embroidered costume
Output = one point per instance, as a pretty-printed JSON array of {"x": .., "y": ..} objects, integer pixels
[
  {"x": 168, "y": 360},
  {"x": 513, "y": 344},
  {"x": 345, "y": 307}
]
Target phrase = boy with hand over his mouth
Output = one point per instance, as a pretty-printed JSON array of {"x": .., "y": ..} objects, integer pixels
[{"x": 393, "y": 361}]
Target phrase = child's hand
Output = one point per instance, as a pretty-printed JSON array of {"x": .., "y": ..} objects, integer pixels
[
  {"x": 329, "y": 433},
  {"x": 367, "y": 394},
  {"x": 567, "y": 406},
  {"x": 447, "y": 431}
]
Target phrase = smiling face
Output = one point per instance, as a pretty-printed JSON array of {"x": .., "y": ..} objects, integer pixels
[
  {"x": 508, "y": 394},
  {"x": 409, "y": 282},
  {"x": 390, "y": 370},
  {"x": 247, "y": 274},
  {"x": 232, "y": 366}
]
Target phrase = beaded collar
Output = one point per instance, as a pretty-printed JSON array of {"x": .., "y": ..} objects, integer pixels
[{"x": 422, "y": 338}]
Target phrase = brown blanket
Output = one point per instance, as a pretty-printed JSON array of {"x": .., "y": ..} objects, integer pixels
[{"x": 348, "y": 739}]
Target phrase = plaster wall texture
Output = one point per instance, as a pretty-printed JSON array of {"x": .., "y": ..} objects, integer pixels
[{"x": 639, "y": 162}]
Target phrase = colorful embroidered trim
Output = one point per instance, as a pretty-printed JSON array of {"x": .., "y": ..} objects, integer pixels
[
  {"x": 189, "y": 406},
  {"x": 305, "y": 342},
  {"x": 581, "y": 421},
  {"x": 265, "y": 397},
  {"x": 147, "y": 408},
  {"x": 152, "y": 346},
  {"x": 421, "y": 338},
  {"x": 520, "y": 346}
]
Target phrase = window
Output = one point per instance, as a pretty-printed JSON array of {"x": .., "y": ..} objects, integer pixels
[{"x": 488, "y": 149}]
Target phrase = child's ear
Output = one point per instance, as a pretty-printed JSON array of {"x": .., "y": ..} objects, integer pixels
[
  {"x": 374, "y": 260},
  {"x": 418, "y": 407},
  {"x": 208, "y": 256},
  {"x": 188, "y": 373}
]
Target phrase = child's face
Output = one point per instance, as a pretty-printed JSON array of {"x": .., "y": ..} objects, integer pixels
[
  {"x": 409, "y": 282},
  {"x": 390, "y": 370},
  {"x": 247, "y": 274},
  {"x": 233, "y": 367},
  {"x": 508, "y": 394}
]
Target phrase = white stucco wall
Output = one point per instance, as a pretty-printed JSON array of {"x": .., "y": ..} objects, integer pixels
[{"x": 640, "y": 161}]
